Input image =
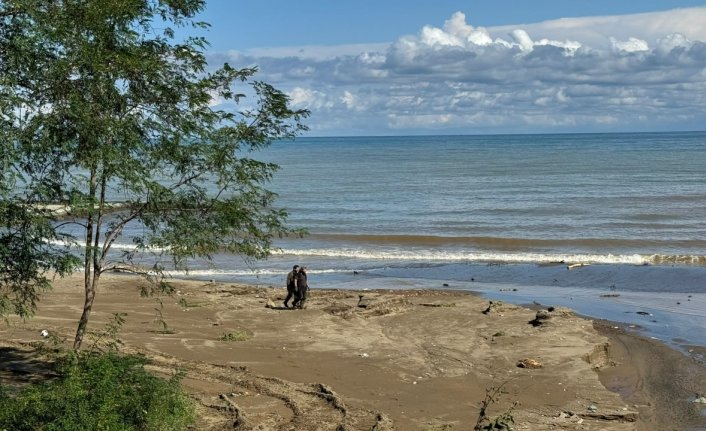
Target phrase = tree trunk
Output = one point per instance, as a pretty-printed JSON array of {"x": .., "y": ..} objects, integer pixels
[
  {"x": 89, "y": 252},
  {"x": 87, "y": 306}
]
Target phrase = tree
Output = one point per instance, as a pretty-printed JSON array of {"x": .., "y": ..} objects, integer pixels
[{"x": 101, "y": 102}]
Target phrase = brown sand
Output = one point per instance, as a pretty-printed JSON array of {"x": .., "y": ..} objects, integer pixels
[{"x": 409, "y": 360}]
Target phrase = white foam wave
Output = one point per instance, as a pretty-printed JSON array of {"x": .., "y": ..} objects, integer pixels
[
  {"x": 266, "y": 272},
  {"x": 76, "y": 243},
  {"x": 464, "y": 256}
]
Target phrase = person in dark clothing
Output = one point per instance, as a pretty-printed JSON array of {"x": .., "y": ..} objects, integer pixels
[
  {"x": 302, "y": 288},
  {"x": 291, "y": 285}
]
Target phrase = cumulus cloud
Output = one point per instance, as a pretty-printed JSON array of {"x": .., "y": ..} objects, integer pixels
[
  {"x": 634, "y": 72},
  {"x": 309, "y": 99},
  {"x": 633, "y": 44}
]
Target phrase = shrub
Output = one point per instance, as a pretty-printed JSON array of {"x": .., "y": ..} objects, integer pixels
[{"x": 99, "y": 392}]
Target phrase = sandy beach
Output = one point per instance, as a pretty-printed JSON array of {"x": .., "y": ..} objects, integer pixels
[{"x": 378, "y": 359}]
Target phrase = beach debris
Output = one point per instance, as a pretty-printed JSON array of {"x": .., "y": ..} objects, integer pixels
[
  {"x": 592, "y": 408},
  {"x": 270, "y": 304},
  {"x": 699, "y": 399},
  {"x": 498, "y": 307},
  {"x": 364, "y": 355},
  {"x": 570, "y": 417},
  {"x": 436, "y": 304},
  {"x": 364, "y": 302},
  {"x": 576, "y": 265},
  {"x": 44, "y": 333},
  {"x": 541, "y": 318},
  {"x": 493, "y": 306},
  {"x": 529, "y": 363}
]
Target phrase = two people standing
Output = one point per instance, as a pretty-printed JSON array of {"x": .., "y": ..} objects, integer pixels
[{"x": 297, "y": 287}]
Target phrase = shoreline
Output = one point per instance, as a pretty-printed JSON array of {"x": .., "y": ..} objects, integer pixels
[
  {"x": 411, "y": 359},
  {"x": 668, "y": 301},
  {"x": 659, "y": 380}
]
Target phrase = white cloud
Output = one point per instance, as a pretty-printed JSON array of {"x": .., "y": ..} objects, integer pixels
[
  {"x": 216, "y": 99},
  {"x": 437, "y": 37},
  {"x": 351, "y": 101},
  {"x": 522, "y": 39},
  {"x": 597, "y": 31},
  {"x": 596, "y": 73},
  {"x": 309, "y": 99},
  {"x": 458, "y": 27},
  {"x": 671, "y": 41},
  {"x": 633, "y": 44}
]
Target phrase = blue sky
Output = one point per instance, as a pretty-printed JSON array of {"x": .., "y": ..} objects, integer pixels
[{"x": 432, "y": 67}]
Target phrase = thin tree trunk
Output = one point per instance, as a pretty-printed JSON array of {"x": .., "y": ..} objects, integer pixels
[{"x": 88, "y": 281}]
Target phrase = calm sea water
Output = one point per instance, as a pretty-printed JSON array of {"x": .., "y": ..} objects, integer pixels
[{"x": 497, "y": 213}]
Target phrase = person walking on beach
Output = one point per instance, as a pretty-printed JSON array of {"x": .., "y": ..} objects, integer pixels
[
  {"x": 302, "y": 285},
  {"x": 291, "y": 285}
]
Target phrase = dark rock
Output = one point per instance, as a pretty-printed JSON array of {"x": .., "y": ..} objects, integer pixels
[
  {"x": 540, "y": 318},
  {"x": 529, "y": 363}
]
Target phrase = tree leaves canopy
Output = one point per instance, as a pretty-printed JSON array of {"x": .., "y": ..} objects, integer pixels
[{"x": 101, "y": 102}]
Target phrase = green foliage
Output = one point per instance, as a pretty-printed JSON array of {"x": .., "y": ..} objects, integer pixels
[
  {"x": 100, "y": 103},
  {"x": 99, "y": 392},
  {"x": 27, "y": 259},
  {"x": 107, "y": 340},
  {"x": 234, "y": 336}
]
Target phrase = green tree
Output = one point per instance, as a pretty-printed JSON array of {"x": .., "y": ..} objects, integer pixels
[{"x": 100, "y": 102}]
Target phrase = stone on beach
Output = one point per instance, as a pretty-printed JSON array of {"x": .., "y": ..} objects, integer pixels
[{"x": 529, "y": 363}]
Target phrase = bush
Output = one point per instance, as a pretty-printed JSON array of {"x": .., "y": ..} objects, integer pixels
[{"x": 99, "y": 392}]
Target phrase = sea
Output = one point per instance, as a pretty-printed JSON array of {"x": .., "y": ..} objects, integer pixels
[{"x": 610, "y": 225}]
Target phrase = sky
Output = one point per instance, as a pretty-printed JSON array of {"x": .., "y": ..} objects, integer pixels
[{"x": 391, "y": 67}]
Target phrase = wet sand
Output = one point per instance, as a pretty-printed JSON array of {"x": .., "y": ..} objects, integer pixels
[{"x": 398, "y": 359}]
